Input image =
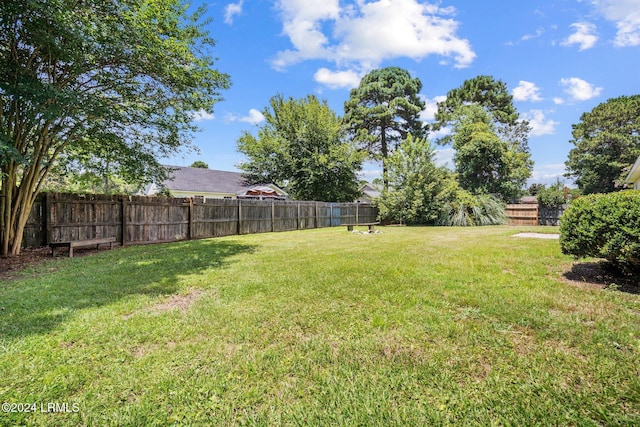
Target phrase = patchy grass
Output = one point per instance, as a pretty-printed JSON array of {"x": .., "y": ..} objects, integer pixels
[{"x": 415, "y": 326}]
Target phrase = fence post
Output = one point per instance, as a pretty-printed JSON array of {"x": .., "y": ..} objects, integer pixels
[
  {"x": 330, "y": 214},
  {"x": 357, "y": 212},
  {"x": 239, "y": 216},
  {"x": 190, "y": 225},
  {"x": 273, "y": 216},
  {"x": 47, "y": 216},
  {"x": 298, "y": 216},
  {"x": 123, "y": 209},
  {"x": 315, "y": 205}
]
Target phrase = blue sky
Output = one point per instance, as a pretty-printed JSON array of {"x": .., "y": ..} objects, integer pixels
[{"x": 559, "y": 59}]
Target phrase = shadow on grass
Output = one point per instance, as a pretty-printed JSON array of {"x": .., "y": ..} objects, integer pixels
[
  {"x": 605, "y": 275},
  {"x": 56, "y": 290}
]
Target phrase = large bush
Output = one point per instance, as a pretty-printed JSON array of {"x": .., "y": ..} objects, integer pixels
[
  {"x": 415, "y": 183},
  {"x": 462, "y": 208},
  {"x": 604, "y": 226},
  {"x": 421, "y": 193},
  {"x": 553, "y": 196}
]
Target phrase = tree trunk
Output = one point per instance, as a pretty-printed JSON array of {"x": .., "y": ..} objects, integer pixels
[
  {"x": 16, "y": 206},
  {"x": 384, "y": 149},
  {"x": 8, "y": 186}
]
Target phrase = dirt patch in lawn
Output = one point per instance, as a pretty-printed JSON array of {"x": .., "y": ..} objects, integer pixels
[
  {"x": 178, "y": 302},
  {"x": 601, "y": 275},
  {"x": 551, "y": 236}
]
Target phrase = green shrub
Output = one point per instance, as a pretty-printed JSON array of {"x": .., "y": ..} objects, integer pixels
[
  {"x": 466, "y": 209},
  {"x": 552, "y": 196},
  {"x": 604, "y": 226},
  {"x": 416, "y": 184}
]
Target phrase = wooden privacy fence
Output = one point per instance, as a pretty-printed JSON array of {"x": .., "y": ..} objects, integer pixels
[
  {"x": 550, "y": 216},
  {"x": 525, "y": 214},
  {"x": 140, "y": 219},
  {"x": 533, "y": 214}
]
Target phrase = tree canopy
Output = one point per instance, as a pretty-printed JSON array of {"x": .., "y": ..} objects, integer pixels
[
  {"x": 383, "y": 109},
  {"x": 415, "y": 183},
  {"x": 607, "y": 142},
  {"x": 491, "y": 144},
  {"x": 302, "y": 147},
  {"x": 421, "y": 193},
  {"x": 485, "y": 163},
  {"x": 123, "y": 78},
  {"x": 200, "y": 164},
  {"x": 485, "y": 91}
]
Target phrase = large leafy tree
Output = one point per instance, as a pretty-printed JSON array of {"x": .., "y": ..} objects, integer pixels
[
  {"x": 302, "y": 147},
  {"x": 493, "y": 96},
  {"x": 88, "y": 172},
  {"x": 416, "y": 184},
  {"x": 607, "y": 142},
  {"x": 122, "y": 77},
  {"x": 491, "y": 143},
  {"x": 486, "y": 163},
  {"x": 383, "y": 110},
  {"x": 485, "y": 91},
  {"x": 421, "y": 193}
]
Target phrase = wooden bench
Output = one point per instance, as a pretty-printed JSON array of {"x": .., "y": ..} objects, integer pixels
[
  {"x": 78, "y": 243},
  {"x": 371, "y": 225}
]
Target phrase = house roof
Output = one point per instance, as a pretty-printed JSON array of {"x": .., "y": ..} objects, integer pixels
[
  {"x": 634, "y": 173},
  {"x": 210, "y": 181},
  {"x": 204, "y": 180},
  {"x": 370, "y": 191}
]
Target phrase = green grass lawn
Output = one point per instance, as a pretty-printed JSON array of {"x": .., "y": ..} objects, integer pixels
[{"x": 414, "y": 326}]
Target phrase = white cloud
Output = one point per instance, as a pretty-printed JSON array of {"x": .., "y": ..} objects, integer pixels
[
  {"x": 548, "y": 174},
  {"x": 526, "y": 91},
  {"x": 585, "y": 36},
  {"x": 366, "y": 33},
  {"x": 540, "y": 125},
  {"x": 626, "y": 15},
  {"x": 558, "y": 101},
  {"x": 539, "y": 32},
  {"x": 580, "y": 90},
  {"x": 202, "y": 115},
  {"x": 525, "y": 38},
  {"x": 231, "y": 11},
  {"x": 337, "y": 79},
  {"x": 431, "y": 107},
  {"x": 370, "y": 174},
  {"x": 254, "y": 117}
]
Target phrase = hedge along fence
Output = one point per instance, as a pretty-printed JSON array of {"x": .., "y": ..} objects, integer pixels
[{"x": 58, "y": 217}]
